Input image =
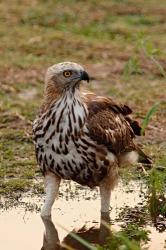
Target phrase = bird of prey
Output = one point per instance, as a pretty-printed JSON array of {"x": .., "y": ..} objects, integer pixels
[{"x": 82, "y": 137}]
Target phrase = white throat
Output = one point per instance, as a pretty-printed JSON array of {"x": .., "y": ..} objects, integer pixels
[{"x": 70, "y": 112}]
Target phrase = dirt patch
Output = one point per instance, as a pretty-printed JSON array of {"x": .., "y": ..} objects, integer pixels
[
  {"x": 123, "y": 9},
  {"x": 14, "y": 121},
  {"x": 13, "y": 76}
]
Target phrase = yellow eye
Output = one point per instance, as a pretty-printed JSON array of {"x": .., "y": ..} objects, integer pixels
[{"x": 67, "y": 73}]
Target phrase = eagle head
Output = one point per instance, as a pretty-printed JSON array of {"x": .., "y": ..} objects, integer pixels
[{"x": 66, "y": 75}]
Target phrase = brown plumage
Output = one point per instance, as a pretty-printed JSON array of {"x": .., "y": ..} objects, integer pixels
[{"x": 80, "y": 136}]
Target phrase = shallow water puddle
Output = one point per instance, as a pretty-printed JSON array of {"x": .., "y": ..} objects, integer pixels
[
  {"x": 18, "y": 231},
  {"x": 76, "y": 208}
]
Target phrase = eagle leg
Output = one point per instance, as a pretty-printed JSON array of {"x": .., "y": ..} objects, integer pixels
[
  {"x": 106, "y": 186},
  {"x": 52, "y": 183},
  {"x": 105, "y": 194}
]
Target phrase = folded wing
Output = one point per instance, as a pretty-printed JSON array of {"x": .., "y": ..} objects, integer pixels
[{"x": 110, "y": 124}]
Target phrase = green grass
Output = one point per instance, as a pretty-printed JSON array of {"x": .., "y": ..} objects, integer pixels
[
  {"x": 129, "y": 238},
  {"x": 148, "y": 116},
  {"x": 120, "y": 43}
]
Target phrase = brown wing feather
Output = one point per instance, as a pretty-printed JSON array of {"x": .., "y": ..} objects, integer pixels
[{"x": 110, "y": 125}]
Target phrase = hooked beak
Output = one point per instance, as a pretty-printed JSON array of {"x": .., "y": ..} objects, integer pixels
[{"x": 85, "y": 76}]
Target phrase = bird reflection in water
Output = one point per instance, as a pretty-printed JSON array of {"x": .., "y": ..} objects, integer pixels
[{"x": 93, "y": 235}]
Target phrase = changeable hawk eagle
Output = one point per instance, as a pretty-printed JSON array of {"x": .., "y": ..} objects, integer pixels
[{"x": 82, "y": 137}]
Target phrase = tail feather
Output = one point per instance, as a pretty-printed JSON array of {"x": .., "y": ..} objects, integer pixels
[
  {"x": 143, "y": 158},
  {"x": 135, "y": 125}
]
